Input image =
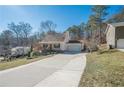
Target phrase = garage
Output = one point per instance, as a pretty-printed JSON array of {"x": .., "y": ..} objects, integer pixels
[
  {"x": 120, "y": 43},
  {"x": 74, "y": 47}
]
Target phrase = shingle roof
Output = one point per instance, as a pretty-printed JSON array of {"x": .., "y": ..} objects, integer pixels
[{"x": 53, "y": 38}]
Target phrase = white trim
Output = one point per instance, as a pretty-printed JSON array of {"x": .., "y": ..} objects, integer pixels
[
  {"x": 118, "y": 24},
  {"x": 50, "y": 42}
]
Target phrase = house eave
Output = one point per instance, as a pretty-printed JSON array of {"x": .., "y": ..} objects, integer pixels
[
  {"x": 51, "y": 42},
  {"x": 118, "y": 24}
]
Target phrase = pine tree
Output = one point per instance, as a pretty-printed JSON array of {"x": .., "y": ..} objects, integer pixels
[{"x": 97, "y": 18}]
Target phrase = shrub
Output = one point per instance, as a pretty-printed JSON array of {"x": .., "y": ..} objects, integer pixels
[
  {"x": 102, "y": 48},
  {"x": 36, "y": 53}
]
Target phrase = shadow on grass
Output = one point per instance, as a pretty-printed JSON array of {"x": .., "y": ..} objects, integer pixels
[
  {"x": 107, "y": 51},
  {"x": 73, "y": 52}
]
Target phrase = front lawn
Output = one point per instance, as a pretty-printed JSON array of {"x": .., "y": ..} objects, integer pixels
[
  {"x": 106, "y": 69},
  {"x": 19, "y": 62}
]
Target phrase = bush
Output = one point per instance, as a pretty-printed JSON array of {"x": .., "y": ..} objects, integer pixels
[
  {"x": 36, "y": 53},
  {"x": 102, "y": 48}
]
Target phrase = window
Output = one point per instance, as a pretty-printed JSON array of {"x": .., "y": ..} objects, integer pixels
[
  {"x": 56, "y": 45},
  {"x": 45, "y": 45}
]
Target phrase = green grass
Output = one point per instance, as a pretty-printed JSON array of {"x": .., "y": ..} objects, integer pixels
[
  {"x": 106, "y": 69},
  {"x": 19, "y": 61}
]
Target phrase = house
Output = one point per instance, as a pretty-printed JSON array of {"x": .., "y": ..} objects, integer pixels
[
  {"x": 115, "y": 35},
  {"x": 62, "y": 42},
  {"x": 19, "y": 51},
  {"x": 4, "y": 50}
]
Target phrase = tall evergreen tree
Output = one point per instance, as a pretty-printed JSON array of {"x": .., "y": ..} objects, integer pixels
[{"x": 98, "y": 17}]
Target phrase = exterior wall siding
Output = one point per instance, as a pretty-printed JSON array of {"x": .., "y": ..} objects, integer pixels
[
  {"x": 119, "y": 34},
  {"x": 110, "y": 36}
]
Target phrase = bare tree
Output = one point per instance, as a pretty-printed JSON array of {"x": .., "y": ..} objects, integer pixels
[
  {"x": 22, "y": 31},
  {"x": 26, "y": 31},
  {"x": 36, "y": 37},
  {"x": 16, "y": 29},
  {"x": 6, "y": 40},
  {"x": 6, "y": 37},
  {"x": 47, "y": 26}
]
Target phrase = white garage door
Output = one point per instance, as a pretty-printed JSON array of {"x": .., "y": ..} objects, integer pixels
[
  {"x": 74, "y": 47},
  {"x": 120, "y": 43}
]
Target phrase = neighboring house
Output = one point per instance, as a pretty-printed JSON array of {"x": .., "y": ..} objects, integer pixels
[
  {"x": 20, "y": 51},
  {"x": 115, "y": 35},
  {"x": 62, "y": 42},
  {"x": 13, "y": 51}
]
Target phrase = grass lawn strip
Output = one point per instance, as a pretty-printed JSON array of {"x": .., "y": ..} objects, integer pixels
[
  {"x": 19, "y": 62},
  {"x": 106, "y": 69}
]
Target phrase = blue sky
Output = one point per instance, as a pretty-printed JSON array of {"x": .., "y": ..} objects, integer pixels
[{"x": 63, "y": 16}]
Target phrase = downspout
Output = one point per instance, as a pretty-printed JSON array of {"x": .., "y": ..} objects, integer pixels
[{"x": 115, "y": 39}]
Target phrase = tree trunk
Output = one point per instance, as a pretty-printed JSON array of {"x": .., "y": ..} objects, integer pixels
[
  {"x": 99, "y": 35},
  {"x": 17, "y": 39}
]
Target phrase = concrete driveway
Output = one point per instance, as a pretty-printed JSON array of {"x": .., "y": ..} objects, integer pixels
[{"x": 60, "y": 70}]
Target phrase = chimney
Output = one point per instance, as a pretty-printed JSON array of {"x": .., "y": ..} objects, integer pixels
[{"x": 67, "y": 36}]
